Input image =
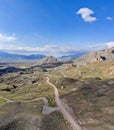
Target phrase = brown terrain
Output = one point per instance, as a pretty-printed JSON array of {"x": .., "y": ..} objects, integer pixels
[{"x": 83, "y": 98}]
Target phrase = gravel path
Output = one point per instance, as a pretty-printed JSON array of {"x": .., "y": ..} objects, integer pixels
[{"x": 65, "y": 113}]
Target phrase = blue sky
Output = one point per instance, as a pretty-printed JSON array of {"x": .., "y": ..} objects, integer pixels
[{"x": 56, "y": 27}]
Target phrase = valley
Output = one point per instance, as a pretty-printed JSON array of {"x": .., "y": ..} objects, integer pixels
[{"x": 27, "y": 99}]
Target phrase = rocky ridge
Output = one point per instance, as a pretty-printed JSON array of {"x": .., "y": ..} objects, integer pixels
[{"x": 97, "y": 56}]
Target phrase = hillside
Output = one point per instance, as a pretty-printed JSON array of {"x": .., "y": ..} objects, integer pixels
[
  {"x": 86, "y": 91},
  {"x": 97, "y": 56}
]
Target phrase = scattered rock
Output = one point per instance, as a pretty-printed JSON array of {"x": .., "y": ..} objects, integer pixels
[{"x": 48, "y": 110}]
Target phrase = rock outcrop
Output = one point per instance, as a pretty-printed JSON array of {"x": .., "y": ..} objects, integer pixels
[
  {"x": 97, "y": 56},
  {"x": 48, "y": 59}
]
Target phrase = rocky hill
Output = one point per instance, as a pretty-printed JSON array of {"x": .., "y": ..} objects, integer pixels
[
  {"x": 97, "y": 56},
  {"x": 48, "y": 59},
  {"x": 47, "y": 62}
]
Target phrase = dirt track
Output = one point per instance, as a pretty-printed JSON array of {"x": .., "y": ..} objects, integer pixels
[{"x": 65, "y": 113}]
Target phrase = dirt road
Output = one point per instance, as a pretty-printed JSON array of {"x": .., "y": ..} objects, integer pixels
[
  {"x": 66, "y": 114},
  {"x": 44, "y": 99},
  {"x": 6, "y": 99}
]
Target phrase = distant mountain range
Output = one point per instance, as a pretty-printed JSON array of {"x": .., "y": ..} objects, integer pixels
[
  {"x": 4, "y": 55},
  {"x": 79, "y": 57}
]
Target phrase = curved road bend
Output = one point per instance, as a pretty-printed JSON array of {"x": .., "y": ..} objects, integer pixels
[
  {"x": 65, "y": 113},
  {"x": 45, "y": 101},
  {"x": 6, "y": 99}
]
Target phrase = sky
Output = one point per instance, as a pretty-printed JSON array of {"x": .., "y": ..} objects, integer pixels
[{"x": 56, "y": 27}]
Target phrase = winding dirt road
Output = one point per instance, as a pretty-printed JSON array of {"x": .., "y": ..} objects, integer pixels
[
  {"x": 65, "y": 113},
  {"x": 6, "y": 99},
  {"x": 44, "y": 99}
]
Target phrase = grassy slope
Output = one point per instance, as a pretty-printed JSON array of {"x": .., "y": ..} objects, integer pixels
[
  {"x": 89, "y": 91},
  {"x": 101, "y": 70},
  {"x": 27, "y": 91},
  {"x": 54, "y": 121},
  {"x": 2, "y": 101}
]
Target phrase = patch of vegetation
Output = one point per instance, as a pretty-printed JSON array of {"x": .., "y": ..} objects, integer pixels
[
  {"x": 102, "y": 70},
  {"x": 54, "y": 121},
  {"x": 2, "y": 101}
]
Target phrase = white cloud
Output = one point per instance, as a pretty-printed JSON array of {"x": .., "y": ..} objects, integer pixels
[
  {"x": 86, "y": 14},
  {"x": 47, "y": 49},
  {"x": 100, "y": 46},
  {"x": 7, "y": 38},
  {"x": 7, "y": 44},
  {"x": 54, "y": 49},
  {"x": 109, "y": 44},
  {"x": 109, "y": 18}
]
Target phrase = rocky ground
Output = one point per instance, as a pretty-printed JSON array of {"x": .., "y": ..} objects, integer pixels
[
  {"x": 22, "y": 116},
  {"x": 19, "y": 116}
]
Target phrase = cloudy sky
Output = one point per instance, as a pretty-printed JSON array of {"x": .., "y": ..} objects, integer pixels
[{"x": 56, "y": 27}]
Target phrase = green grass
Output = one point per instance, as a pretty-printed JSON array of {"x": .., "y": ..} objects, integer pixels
[
  {"x": 32, "y": 91},
  {"x": 2, "y": 101}
]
